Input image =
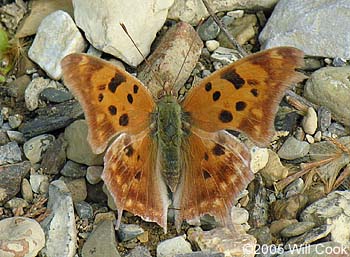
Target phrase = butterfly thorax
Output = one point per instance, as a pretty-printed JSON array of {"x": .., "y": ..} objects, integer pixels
[{"x": 169, "y": 135}]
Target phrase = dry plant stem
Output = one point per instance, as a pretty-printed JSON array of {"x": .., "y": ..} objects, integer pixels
[
  {"x": 296, "y": 104},
  {"x": 300, "y": 100},
  {"x": 223, "y": 28},
  {"x": 280, "y": 185},
  {"x": 342, "y": 177}
]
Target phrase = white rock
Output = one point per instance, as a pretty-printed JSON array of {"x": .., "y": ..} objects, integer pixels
[
  {"x": 316, "y": 27},
  {"x": 20, "y": 236},
  {"x": 57, "y": 36},
  {"x": 239, "y": 215},
  {"x": 212, "y": 45},
  {"x": 100, "y": 21},
  {"x": 225, "y": 55},
  {"x": 35, "y": 147},
  {"x": 59, "y": 226},
  {"x": 310, "y": 139},
  {"x": 173, "y": 246},
  {"x": 33, "y": 90},
  {"x": 36, "y": 180},
  {"x": 93, "y": 174},
  {"x": 318, "y": 136},
  {"x": 310, "y": 121},
  {"x": 259, "y": 158},
  {"x": 192, "y": 11}
]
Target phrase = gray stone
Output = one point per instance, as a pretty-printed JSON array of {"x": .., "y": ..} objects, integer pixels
[
  {"x": 295, "y": 187},
  {"x": 84, "y": 210},
  {"x": 59, "y": 29},
  {"x": 225, "y": 55},
  {"x": 208, "y": 30},
  {"x": 73, "y": 170},
  {"x": 78, "y": 149},
  {"x": 36, "y": 180},
  {"x": 55, "y": 95},
  {"x": 26, "y": 190},
  {"x": 330, "y": 87},
  {"x": 309, "y": 122},
  {"x": 35, "y": 147},
  {"x": 16, "y": 136},
  {"x": 324, "y": 118},
  {"x": 96, "y": 20},
  {"x": 127, "y": 232},
  {"x": 339, "y": 62},
  {"x": 55, "y": 156},
  {"x": 139, "y": 251},
  {"x": 10, "y": 153},
  {"x": 77, "y": 188},
  {"x": 33, "y": 90},
  {"x": 59, "y": 225},
  {"x": 338, "y": 129},
  {"x": 312, "y": 33},
  {"x": 4, "y": 139},
  {"x": 15, "y": 203},
  {"x": 172, "y": 247},
  {"x": 293, "y": 149},
  {"x": 20, "y": 236},
  {"x": 10, "y": 179},
  {"x": 93, "y": 174},
  {"x": 297, "y": 229},
  {"x": 262, "y": 235},
  {"x": 192, "y": 11},
  {"x": 15, "y": 120},
  {"x": 101, "y": 242}
]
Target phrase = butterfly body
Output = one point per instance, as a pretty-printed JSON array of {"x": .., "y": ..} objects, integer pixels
[{"x": 160, "y": 144}]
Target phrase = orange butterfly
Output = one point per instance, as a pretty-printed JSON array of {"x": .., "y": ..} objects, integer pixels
[{"x": 165, "y": 148}]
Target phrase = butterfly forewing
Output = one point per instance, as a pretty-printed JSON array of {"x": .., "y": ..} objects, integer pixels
[
  {"x": 244, "y": 96},
  {"x": 113, "y": 101}
]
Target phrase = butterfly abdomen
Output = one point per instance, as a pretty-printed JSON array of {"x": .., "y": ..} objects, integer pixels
[{"x": 169, "y": 135}]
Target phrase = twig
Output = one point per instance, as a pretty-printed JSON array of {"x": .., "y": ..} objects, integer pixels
[{"x": 232, "y": 40}]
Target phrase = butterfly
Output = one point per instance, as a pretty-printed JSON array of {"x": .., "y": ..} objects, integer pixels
[{"x": 160, "y": 149}]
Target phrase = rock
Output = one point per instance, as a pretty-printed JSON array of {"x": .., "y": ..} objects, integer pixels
[
  {"x": 225, "y": 55},
  {"x": 96, "y": 20},
  {"x": 259, "y": 158},
  {"x": 73, "y": 170},
  {"x": 330, "y": 87},
  {"x": 95, "y": 193},
  {"x": 100, "y": 217},
  {"x": 318, "y": 136},
  {"x": 78, "y": 149},
  {"x": 93, "y": 174},
  {"x": 309, "y": 139},
  {"x": 33, "y": 90},
  {"x": 16, "y": 203},
  {"x": 208, "y": 30},
  {"x": 26, "y": 190},
  {"x": 201, "y": 254},
  {"x": 101, "y": 242},
  {"x": 39, "y": 9},
  {"x": 262, "y": 235},
  {"x": 223, "y": 240},
  {"x": 288, "y": 25},
  {"x": 295, "y": 187},
  {"x": 59, "y": 29},
  {"x": 192, "y": 11},
  {"x": 54, "y": 158},
  {"x": 297, "y": 229},
  {"x": 110, "y": 200},
  {"x": 242, "y": 29},
  {"x": 324, "y": 118},
  {"x": 20, "y": 236},
  {"x": 16, "y": 136},
  {"x": 212, "y": 45},
  {"x": 11, "y": 14},
  {"x": 169, "y": 56},
  {"x": 4, "y": 139},
  {"x": 10, "y": 179},
  {"x": 84, "y": 210},
  {"x": 334, "y": 211},
  {"x": 139, "y": 251},
  {"x": 35, "y": 147},
  {"x": 51, "y": 119},
  {"x": 274, "y": 170},
  {"x": 239, "y": 215},
  {"x": 288, "y": 208},
  {"x": 128, "y": 232},
  {"x": 278, "y": 225},
  {"x": 326, "y": 249},
  {"x": 308, "y": 237},
  {"x": 55, "y": 95},
  {"x": 36, "y": 180},
  {"x": 59, "y": 226},
  {"x": 10, "y": 153},
  {"x": 338, "y": 129},
  {"x": 293, "y": 149},
  {"x": 15, "y": 120},
  {"x": 309, "y": 122},
  {"x": 77, "y": 188},
  {"x": 172, "y": 247}
]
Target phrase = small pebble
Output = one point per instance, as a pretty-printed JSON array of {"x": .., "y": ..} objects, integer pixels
[
  {"x": 16, "y": 136},
  {"x": 36, "y": 180},
  {"x": 297, "y": 229},
  {"x": 259, "y": 158},
  {"x": 294, "y": 188},
  {"x": 337, "y": 129},
  {"x": 73, "y": 170},
  {"x": 26, "y": 190},
  {"x": 339, "y": 62},
  {"x": 35, "y": 147},
  {"x": 16, "y": 203},
  {"x": 128, "y": 232},
  {"x": 318, "y": 136},
  {"x": 172, "y": 247},
  {"x": 212, "y": 45},
  {"x": 310, "y": 139},
  {"x": 324, "y": 118},
  {"x": 239, "y": 215},
  {"x": 309, "y": 122},
  {"x": 93, "y": 174},
  {"x": 15, "y": 120},
  {"x": 236, "y": 13},
  {"x": 293, "y": 149},
  {"x": 208, "y": 30},
  {"x": 84, "y": 210},
  {"x": 217, "y": 65}
]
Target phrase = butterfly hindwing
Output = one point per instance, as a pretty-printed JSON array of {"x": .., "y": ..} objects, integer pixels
[
  {"x": 113, "y": 101},
  {"x": 244, "y": 95}
]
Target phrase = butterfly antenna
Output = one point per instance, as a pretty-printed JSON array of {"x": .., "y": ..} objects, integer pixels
[
  {"x": 144, "y": 58},
  {"x": 188, "y": 52}
]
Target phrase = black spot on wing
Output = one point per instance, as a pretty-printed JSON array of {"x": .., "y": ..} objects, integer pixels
[
  {"x": 138, "y": 175},
  {"x": 206, "y": 174},
  {"x": 129, "y": 151},
  {"x": 208, "y": 87},
  {"x": 218, "y": 150},
  {"x": 254, "y": 92},
  {"x": 100, "y": 97},
  {"x": 130, "y": 98},
  {"x": 225, "y": 116},
  {"x": 136, "y": 89},
  {"x": 112, "y": 110},
  {"x": 216, "y": 95},
  {"x": 115, "y": 82},
  {"x": 124, "y": 120},
  {"x": 206, "y": 156},
  {"x": 240, "y": 106},
  {"x": 234, "y": 78}
]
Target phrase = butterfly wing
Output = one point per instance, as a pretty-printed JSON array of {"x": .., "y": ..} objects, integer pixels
[
  {"x": 244, "y": 95},
  {"x": 215, "y": 169},
  {"x": 113, "y": 100},
  {"x": 132, "y": 175}
]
